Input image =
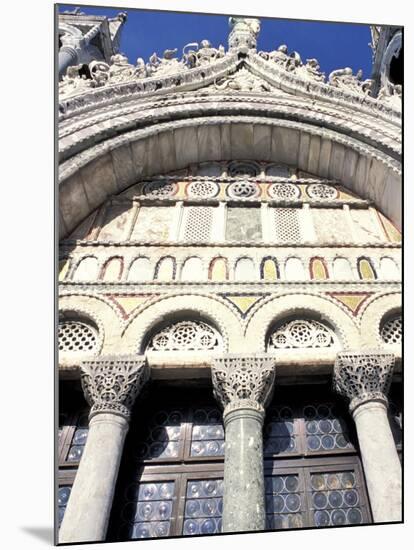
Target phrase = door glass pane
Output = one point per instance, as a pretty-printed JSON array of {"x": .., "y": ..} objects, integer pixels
[{"x": 284, "y": 501}]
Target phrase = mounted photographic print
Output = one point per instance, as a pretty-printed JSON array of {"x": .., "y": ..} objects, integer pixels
[{"x": 230, "y": 324}]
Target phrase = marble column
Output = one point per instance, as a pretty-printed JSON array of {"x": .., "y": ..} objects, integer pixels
[
  {"x": 364, "y": 378},
  {"x": 110, "y": 386},
  {"x": 243, "y": 385}
]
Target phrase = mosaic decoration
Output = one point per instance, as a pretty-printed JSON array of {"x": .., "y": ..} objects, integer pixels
[
  {"x": 243, "y": 302},
  {"x": 365, "y": 269},
  {"x": 127, "y": 304},
  {"x": 351, "y": 300}
]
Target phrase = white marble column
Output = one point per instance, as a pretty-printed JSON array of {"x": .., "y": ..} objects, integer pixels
[
  {"x": 110, "y": 386},
  {"x": 243, "y": 385},
  {"x": 364, "y": 378}
]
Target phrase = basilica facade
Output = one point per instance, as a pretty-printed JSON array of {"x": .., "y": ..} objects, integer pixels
[{"x": 230, "y": 325}]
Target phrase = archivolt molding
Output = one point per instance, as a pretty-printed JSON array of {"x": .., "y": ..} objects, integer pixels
[
  {"x": 101, "y": 312},
  {"x": 207, "y": 308},
  {"x": 364, "y": 169},
  {"x": 276, "y": 308},
  {"x": 74, "y": 136},
  {"x": 69, "y": 167},
  {"x": 374, "y": 312}
]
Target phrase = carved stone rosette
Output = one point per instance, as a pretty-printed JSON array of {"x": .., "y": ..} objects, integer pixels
[
  {"x": 363, "y": 376},
  {"x": 111, "y": 384},
  {"x": 243, "y": 381}
]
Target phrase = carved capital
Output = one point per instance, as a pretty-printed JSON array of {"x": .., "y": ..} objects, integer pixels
[
  {"x": 111, "y": 384},
  {"x": 363, "y": 376},
  {"x": 243, "y": 381}
]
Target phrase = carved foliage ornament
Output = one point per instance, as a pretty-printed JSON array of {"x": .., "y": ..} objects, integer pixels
[
  {"x": 243, "y": 381},
  {"x": 363, "y": 377},
  {"x": 112, "y": 384}
]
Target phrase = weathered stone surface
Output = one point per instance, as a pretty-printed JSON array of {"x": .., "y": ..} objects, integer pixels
[
  {"x": 99, "y": 180},
  {"x": 209, "y": 143}
]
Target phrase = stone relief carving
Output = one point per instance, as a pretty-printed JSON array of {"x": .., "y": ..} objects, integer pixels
[
  {"x": 243, "y": 381},
  {"x": 112, "y": 384},
  {"x": 363, "y": 376},
  {"x": 302, "y": 333},
  {"x": 391, "y": 94},
  {"x": 243, "y": 34},
  {"x": 186, "y": 336},
  {"x": 346, "y": 80},
  {"x": 243, "y": 81}
]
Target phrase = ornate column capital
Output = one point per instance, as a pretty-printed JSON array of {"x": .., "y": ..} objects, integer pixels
[
  {"x": 243, "y": 381},
  {"x": 111, "y": 384},
  {"x": 363, "y": 376}
]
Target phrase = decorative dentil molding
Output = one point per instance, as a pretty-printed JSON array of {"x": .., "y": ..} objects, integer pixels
[
  {"x": 111, "y": 384},
  {"x": 363, "y": 376},
  {"x": 243, "y": 381}
]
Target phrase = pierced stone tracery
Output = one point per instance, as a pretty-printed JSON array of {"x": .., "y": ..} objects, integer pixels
[
  {"x": 76, "y": 336},
  {"x": 186, "y": 336},
  {"x": 391, "y": 332},
  {"x": 302, "y": 333}
]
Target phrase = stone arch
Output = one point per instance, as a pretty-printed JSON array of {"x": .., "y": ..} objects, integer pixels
[
  {"x": 342, "y": 269},
  {"x": 318, "y": 268},
  {"x": 275, "y": 309},
  {"x": 388, "y": 269},
  {"x": 86, "y": 269},
  {"x": 192, "y": 269},
  {"x": 366, "y": 269},
  {"x": 244, "y": 269},
  {"x": 194, "y": 306},
  {"x": 377, "y": 311},
  {"x": 112, "y": 269},
  {"x": 294, "y": 269},
  {"x": 89, "y": 177},
  {"x": 218, "y": 269},
  {"x": 140, "y": 269},
  {"x": 165, "y": 270},
  {"x": 100, "y": 313}
]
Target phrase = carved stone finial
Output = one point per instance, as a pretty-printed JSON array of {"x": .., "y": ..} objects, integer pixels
[
  {"x": 243, "y": 34},
  {"x": 111, "y": 384},
  {"x": 243, "y": 381},
  {"x": 363, "y": 376}
]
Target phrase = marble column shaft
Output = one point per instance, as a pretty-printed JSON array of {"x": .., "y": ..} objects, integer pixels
[
  {"x": 364, "y": 378},
  {"x": 110, "y": 386},
  {"x": 243, "y": 386}
]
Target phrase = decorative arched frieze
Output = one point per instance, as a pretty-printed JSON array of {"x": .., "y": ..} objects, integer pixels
[
  {"x": 290, "y": 306},
  {"x": 366, "y": 269},
  {"x": 165, "y": 269},
  {"x": 112, "y": 269},
  {"x": 318, "y": 269},
  {"x": 188, "y": 306},
  {"x": 269, "y": 269},
  {"x": 245, "y": 269},
  {"x": 192, "y": 269},
  {"x": 80, "y": 273},
  {"x": 363, "y": 169},
  {"x": 374, "y": 314},
  {"x": 140, "y": 269},
  {"x": 218, "y": 269}
]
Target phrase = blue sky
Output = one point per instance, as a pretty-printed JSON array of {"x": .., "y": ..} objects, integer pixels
[{"x": 335, "y": 45}]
